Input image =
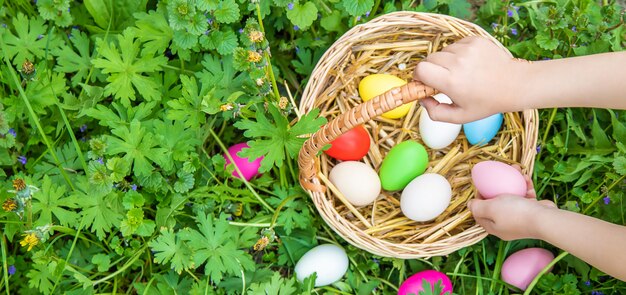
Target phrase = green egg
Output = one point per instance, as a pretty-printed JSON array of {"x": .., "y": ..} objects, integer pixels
[{"x": 403, "y": 163}]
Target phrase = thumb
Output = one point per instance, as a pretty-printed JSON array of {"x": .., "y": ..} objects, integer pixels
[
  {"x": 441, "y": 111},
  {"x": 480, "y": 208}
]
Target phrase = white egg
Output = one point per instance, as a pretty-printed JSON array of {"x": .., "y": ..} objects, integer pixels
[
  {"x": 357, "y": 181},
  {"x": 435, "y": 134},
  {"x": 328, "y": 261},
  {"x": 425, "y": 197}
]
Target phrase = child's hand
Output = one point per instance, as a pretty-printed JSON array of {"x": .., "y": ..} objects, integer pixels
[
  {"x": 509, "y": 217},
  {"x": 479, "y": 77}
]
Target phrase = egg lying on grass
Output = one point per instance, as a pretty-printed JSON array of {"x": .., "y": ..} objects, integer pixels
[
  {"x": 248, "y": 167},
  {"x": 415, "y": 283},
  {"x": 523, "y": 266},
  {"x": 329, "y": 262}
]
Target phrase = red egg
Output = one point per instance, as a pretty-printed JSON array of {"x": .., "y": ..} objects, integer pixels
[{"x": 350, "y": 146}]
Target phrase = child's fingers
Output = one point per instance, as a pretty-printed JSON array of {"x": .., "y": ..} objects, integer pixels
[
  {"x": 487, "y": 224},
  {"x": 442, "y": 111},
  {"x": 548, "y": 203},
  {"x": 432, "y": 75},
  {"x": 442, "y": 58},
  {"x": 480, "y": 208}
]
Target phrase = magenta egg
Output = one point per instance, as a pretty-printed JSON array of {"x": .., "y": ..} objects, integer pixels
[
  {"x": 493, "y": 178},
  {"x": 521, "y": 268},
  {"x": 249, "y": 168},
  {"x": 413, "y": 285}
]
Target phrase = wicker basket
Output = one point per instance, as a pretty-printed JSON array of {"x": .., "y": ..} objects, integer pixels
[{"x": 394, "y": 43}]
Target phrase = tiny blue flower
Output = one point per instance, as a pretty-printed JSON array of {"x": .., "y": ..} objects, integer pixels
[
  {"x": 4, "y": 25},
  {"x": 12, "y": 132},
  {"x": 574, "y": 29},
  {"x": 576, "y": 205},
  {"x": 22, "y": 159},
  {"x": 83, "y": 128},
  {"x": 375, "y": 260},
  {"x": 367, "y": 14},
  {"x": 68, "y": 9},
  {"x": 101, "y": 161},
  {"x": 40, "y": 37},
  {"x": 514, "y": 31},
  {"x": 509, "y": 13},
  {"x": 587, "y": 283},
  {"x": 290, "y": 6},
  {"x": 358, "y": 18},
  {"x": 607, "y": 200},
  {"x": 297, "y": 49},
  {"x": 546, "y": 58},
  {"x": 240, "y": 31},
  {"x": 296, "y": 28},
  {"x": 494, "y": 25},
  {"x": 75, "y": 27},
  {"x": 209, "y": 21},
  {"x": 206, "y": 33},
  {"x": 538, "y": 148},
  {"x": 11, "y": 270},
  {"x": 133, "y": 187},
  {"x": 516, "y": 8}
]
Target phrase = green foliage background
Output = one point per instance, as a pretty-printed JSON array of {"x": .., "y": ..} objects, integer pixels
[{"x": 120, "y": 126}]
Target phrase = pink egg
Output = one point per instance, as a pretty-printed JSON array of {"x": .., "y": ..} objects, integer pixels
[
  {"x": 522, "y": 267},
  {"x": 248, "y": 168},
  {"x": 413, "y": 285},
  {"x": 493, "y": 178}
]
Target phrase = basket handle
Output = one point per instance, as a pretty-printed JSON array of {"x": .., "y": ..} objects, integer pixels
[{"x": 360, "y": 114}]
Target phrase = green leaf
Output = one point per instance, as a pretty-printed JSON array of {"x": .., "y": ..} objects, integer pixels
[
  {"x": 100, "y": 11},
  {"x": 100, "y": 211},
  {"x": 619, "y": 164},
  {"x": 214, "y": 245},
  {"x": 103, "y": 262},
  {"x": 50, "y": 201},
  {"x": 303, "y": 15},
  {"x": 138, "y": 147},
  {"x": 600, "y": 139},
  {"x": 460, "y": 8},
  {"x": 220, "y": 75},
  {"x": 126, "y": 69},
  {"x": 152, "y": 29},
  {"x": 227, "y": 12},
  {"x": 169, "y": 247},
  {"x": 188, "y": 107},
  {"x": 224, "y": 41},
  {"x": 332, "y": 22},
  {"x": 272, "y": 140},
  {"x": 69, "y": 61},
  {"x": 276, "y": 286},
  {"x": 546, "y": 42},
  {"x": 41, "y": 276},
  {"x": 619, "y": 130},
  {"x": 31, "y": 41},
  {"x": 357, "y": 7}
]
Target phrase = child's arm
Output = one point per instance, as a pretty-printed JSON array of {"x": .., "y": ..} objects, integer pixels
[
  {"x": 597, "y": 242},
  {"x": 481, "y": 79}
]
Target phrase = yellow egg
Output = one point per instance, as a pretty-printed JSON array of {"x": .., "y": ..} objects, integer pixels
[{"x": 377, "y": 84}]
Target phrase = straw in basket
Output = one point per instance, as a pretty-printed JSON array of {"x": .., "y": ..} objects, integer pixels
[{"x": 394, "y": 43}]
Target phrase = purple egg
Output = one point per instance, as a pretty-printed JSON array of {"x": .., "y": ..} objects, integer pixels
[
  {"x": 413, "y": 285},
  {"x": 248, "y": 168}
]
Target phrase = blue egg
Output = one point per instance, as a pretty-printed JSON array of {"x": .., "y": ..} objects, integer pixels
[{"x": 482, "y": 131}]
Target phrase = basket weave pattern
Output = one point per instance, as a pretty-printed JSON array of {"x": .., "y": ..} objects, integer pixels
[{"x": 394, "y": 44}]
